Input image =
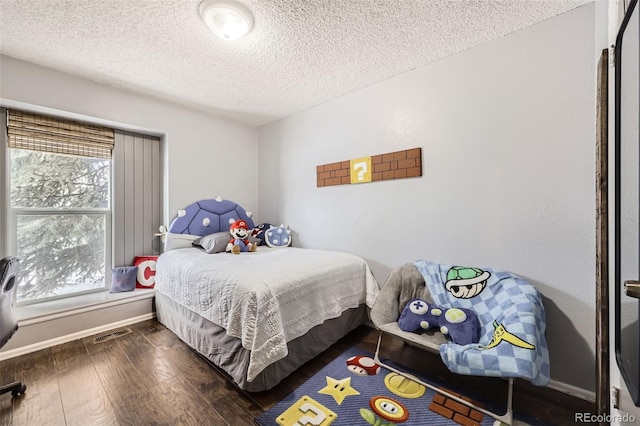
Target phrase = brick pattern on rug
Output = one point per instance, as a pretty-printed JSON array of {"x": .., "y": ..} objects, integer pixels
[{"x": 454, "y": 410}]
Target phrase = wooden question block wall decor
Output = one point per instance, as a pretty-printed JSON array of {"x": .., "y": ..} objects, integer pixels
[{"x": 392, "y": 165}]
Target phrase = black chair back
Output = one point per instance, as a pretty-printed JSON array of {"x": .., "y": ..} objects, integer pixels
[{"x": 9, "y": 268}]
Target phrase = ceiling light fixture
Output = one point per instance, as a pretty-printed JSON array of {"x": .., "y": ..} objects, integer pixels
[{"x": 226, "y": 19}]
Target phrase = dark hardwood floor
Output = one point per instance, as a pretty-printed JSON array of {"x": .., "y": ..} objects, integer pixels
[{"x": 149, "y": 377}]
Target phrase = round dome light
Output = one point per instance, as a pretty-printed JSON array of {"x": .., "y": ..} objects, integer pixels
[{"x": 226, "y": 19}]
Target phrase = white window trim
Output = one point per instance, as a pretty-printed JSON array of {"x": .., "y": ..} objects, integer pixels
[{"x": 73, "y": 305}]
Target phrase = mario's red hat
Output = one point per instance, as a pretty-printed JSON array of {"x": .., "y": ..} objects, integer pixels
[{"x": 239, "y": 224}]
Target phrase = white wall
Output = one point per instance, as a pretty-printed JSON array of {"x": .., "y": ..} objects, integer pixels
[
  {"x": 508, "y": 137},
  {"x": 201, "y": 149}
]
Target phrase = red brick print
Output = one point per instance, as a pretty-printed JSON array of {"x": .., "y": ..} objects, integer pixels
[
  {"x": 382, "y": 167},
  {"x": 464, "y": 421},
  {"x": 407, "y": 164},
  {"x": 457, "y": 407},
  {"x": 400, "y": 155},
  {"x": 375, "y": 159},
  {"x": 452, "y": 409},
  {"x": 414, "y": 172},
  {"x": 443, "y": 411},
  {"x": 439, "y": 399},
  {"x": 400, "y": 174},
  {"x": 476, "y": 415},
  {"x": 414, "y": 153},
  {"x": 387, "y": 157}
]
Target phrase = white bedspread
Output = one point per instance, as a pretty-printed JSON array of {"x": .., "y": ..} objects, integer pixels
[{"x": 268, "y": 297}]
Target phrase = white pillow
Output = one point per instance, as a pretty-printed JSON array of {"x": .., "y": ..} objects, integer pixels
[
  {"x": 214, "y": 243},
  {"x": 176, "y": 241}
]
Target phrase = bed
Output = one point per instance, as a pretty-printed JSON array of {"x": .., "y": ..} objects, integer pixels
[{"x": 257, "y": 316}]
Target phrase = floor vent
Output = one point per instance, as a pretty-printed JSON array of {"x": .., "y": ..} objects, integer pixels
[{"x": 112, "y": 335}]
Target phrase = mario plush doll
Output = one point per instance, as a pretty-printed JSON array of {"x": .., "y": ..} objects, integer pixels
[{"x": 240, "y": 241}]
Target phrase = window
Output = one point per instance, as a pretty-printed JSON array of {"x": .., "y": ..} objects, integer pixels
[
  {"x": 76, "y": 201},
  {"x": 60, "y": 209},
  {"x": 59, "y": 206}
]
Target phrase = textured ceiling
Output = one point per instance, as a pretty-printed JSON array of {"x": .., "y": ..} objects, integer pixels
[{"x": 300, "y": 53}]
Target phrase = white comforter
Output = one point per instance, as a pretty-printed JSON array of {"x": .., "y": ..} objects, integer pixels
[{"x": 268, "y": 297}]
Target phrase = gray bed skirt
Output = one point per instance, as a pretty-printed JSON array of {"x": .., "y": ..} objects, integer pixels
[{"x": 227, "y": 353}]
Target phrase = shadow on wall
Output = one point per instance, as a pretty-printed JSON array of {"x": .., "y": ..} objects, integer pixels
[
  {"x": 379, "y": 270},
  {"x": 564, "y": 339}
]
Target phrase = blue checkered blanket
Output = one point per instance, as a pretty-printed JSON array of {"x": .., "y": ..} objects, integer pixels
[{"x": 512, "y": 337}]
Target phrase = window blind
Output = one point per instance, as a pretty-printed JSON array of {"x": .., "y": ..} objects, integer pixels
[{"x": 41, "y": 133}]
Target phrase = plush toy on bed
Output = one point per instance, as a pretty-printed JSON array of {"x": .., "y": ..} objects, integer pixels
[
  {"x": 240, "y": 241},
  {"x": 278, "y": 236},
  {"x": 461, "y": 324},
  {"x": 259, "y": 233}
]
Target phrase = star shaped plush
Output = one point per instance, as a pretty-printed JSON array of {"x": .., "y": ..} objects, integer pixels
[{"x": 338, "y": 389}]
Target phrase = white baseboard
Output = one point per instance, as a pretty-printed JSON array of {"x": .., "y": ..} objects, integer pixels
[
  {"x": 73, "y": 336},
  {"x": 572, "y": 390}
]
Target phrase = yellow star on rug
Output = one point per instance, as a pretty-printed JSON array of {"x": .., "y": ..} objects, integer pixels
[{"x": 338, "y": 389}]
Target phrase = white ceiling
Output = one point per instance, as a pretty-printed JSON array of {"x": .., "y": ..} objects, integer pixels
[{"x": 300, "y": 53}]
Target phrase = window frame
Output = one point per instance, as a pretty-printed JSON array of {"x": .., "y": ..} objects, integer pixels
[
  {"x": 11, "y": 229},
  {"x": 125, "y": 245}
]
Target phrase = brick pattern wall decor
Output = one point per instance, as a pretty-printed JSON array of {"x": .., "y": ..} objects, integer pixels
[
  {"x": 392, "y": 165},
  {"x": 456, "y": 411}
]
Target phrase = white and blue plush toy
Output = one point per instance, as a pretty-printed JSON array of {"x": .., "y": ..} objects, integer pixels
[{"x": 278, "y": 236}]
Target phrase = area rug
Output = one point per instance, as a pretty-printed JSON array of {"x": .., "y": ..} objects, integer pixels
[{"x": 352, "y": 390}]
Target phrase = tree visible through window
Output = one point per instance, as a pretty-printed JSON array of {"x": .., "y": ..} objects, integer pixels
[{"x": 60, "y": 205}]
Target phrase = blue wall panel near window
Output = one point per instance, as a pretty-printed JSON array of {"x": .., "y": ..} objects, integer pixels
[{"x": 137, "y": 196}]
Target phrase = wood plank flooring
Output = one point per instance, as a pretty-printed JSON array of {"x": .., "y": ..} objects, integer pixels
[{"x": 150, "y": 377}]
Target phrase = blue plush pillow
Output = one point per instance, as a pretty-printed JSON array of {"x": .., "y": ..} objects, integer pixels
[
  {"x": 123, "y": 278},
  {"x": 278, "y": 236}
]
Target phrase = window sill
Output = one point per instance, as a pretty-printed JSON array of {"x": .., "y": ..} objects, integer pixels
[{"x": 33, "y": 314}]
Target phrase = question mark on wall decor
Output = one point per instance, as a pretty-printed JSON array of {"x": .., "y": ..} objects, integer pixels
[
  {"x": 360, "y": 170},
  {"x": 363, "y": 169},
  {"x": 308, "y": 420}
]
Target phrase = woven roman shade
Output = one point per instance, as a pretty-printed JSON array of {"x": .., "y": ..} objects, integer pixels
[{"x": 42, "y": 133}]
